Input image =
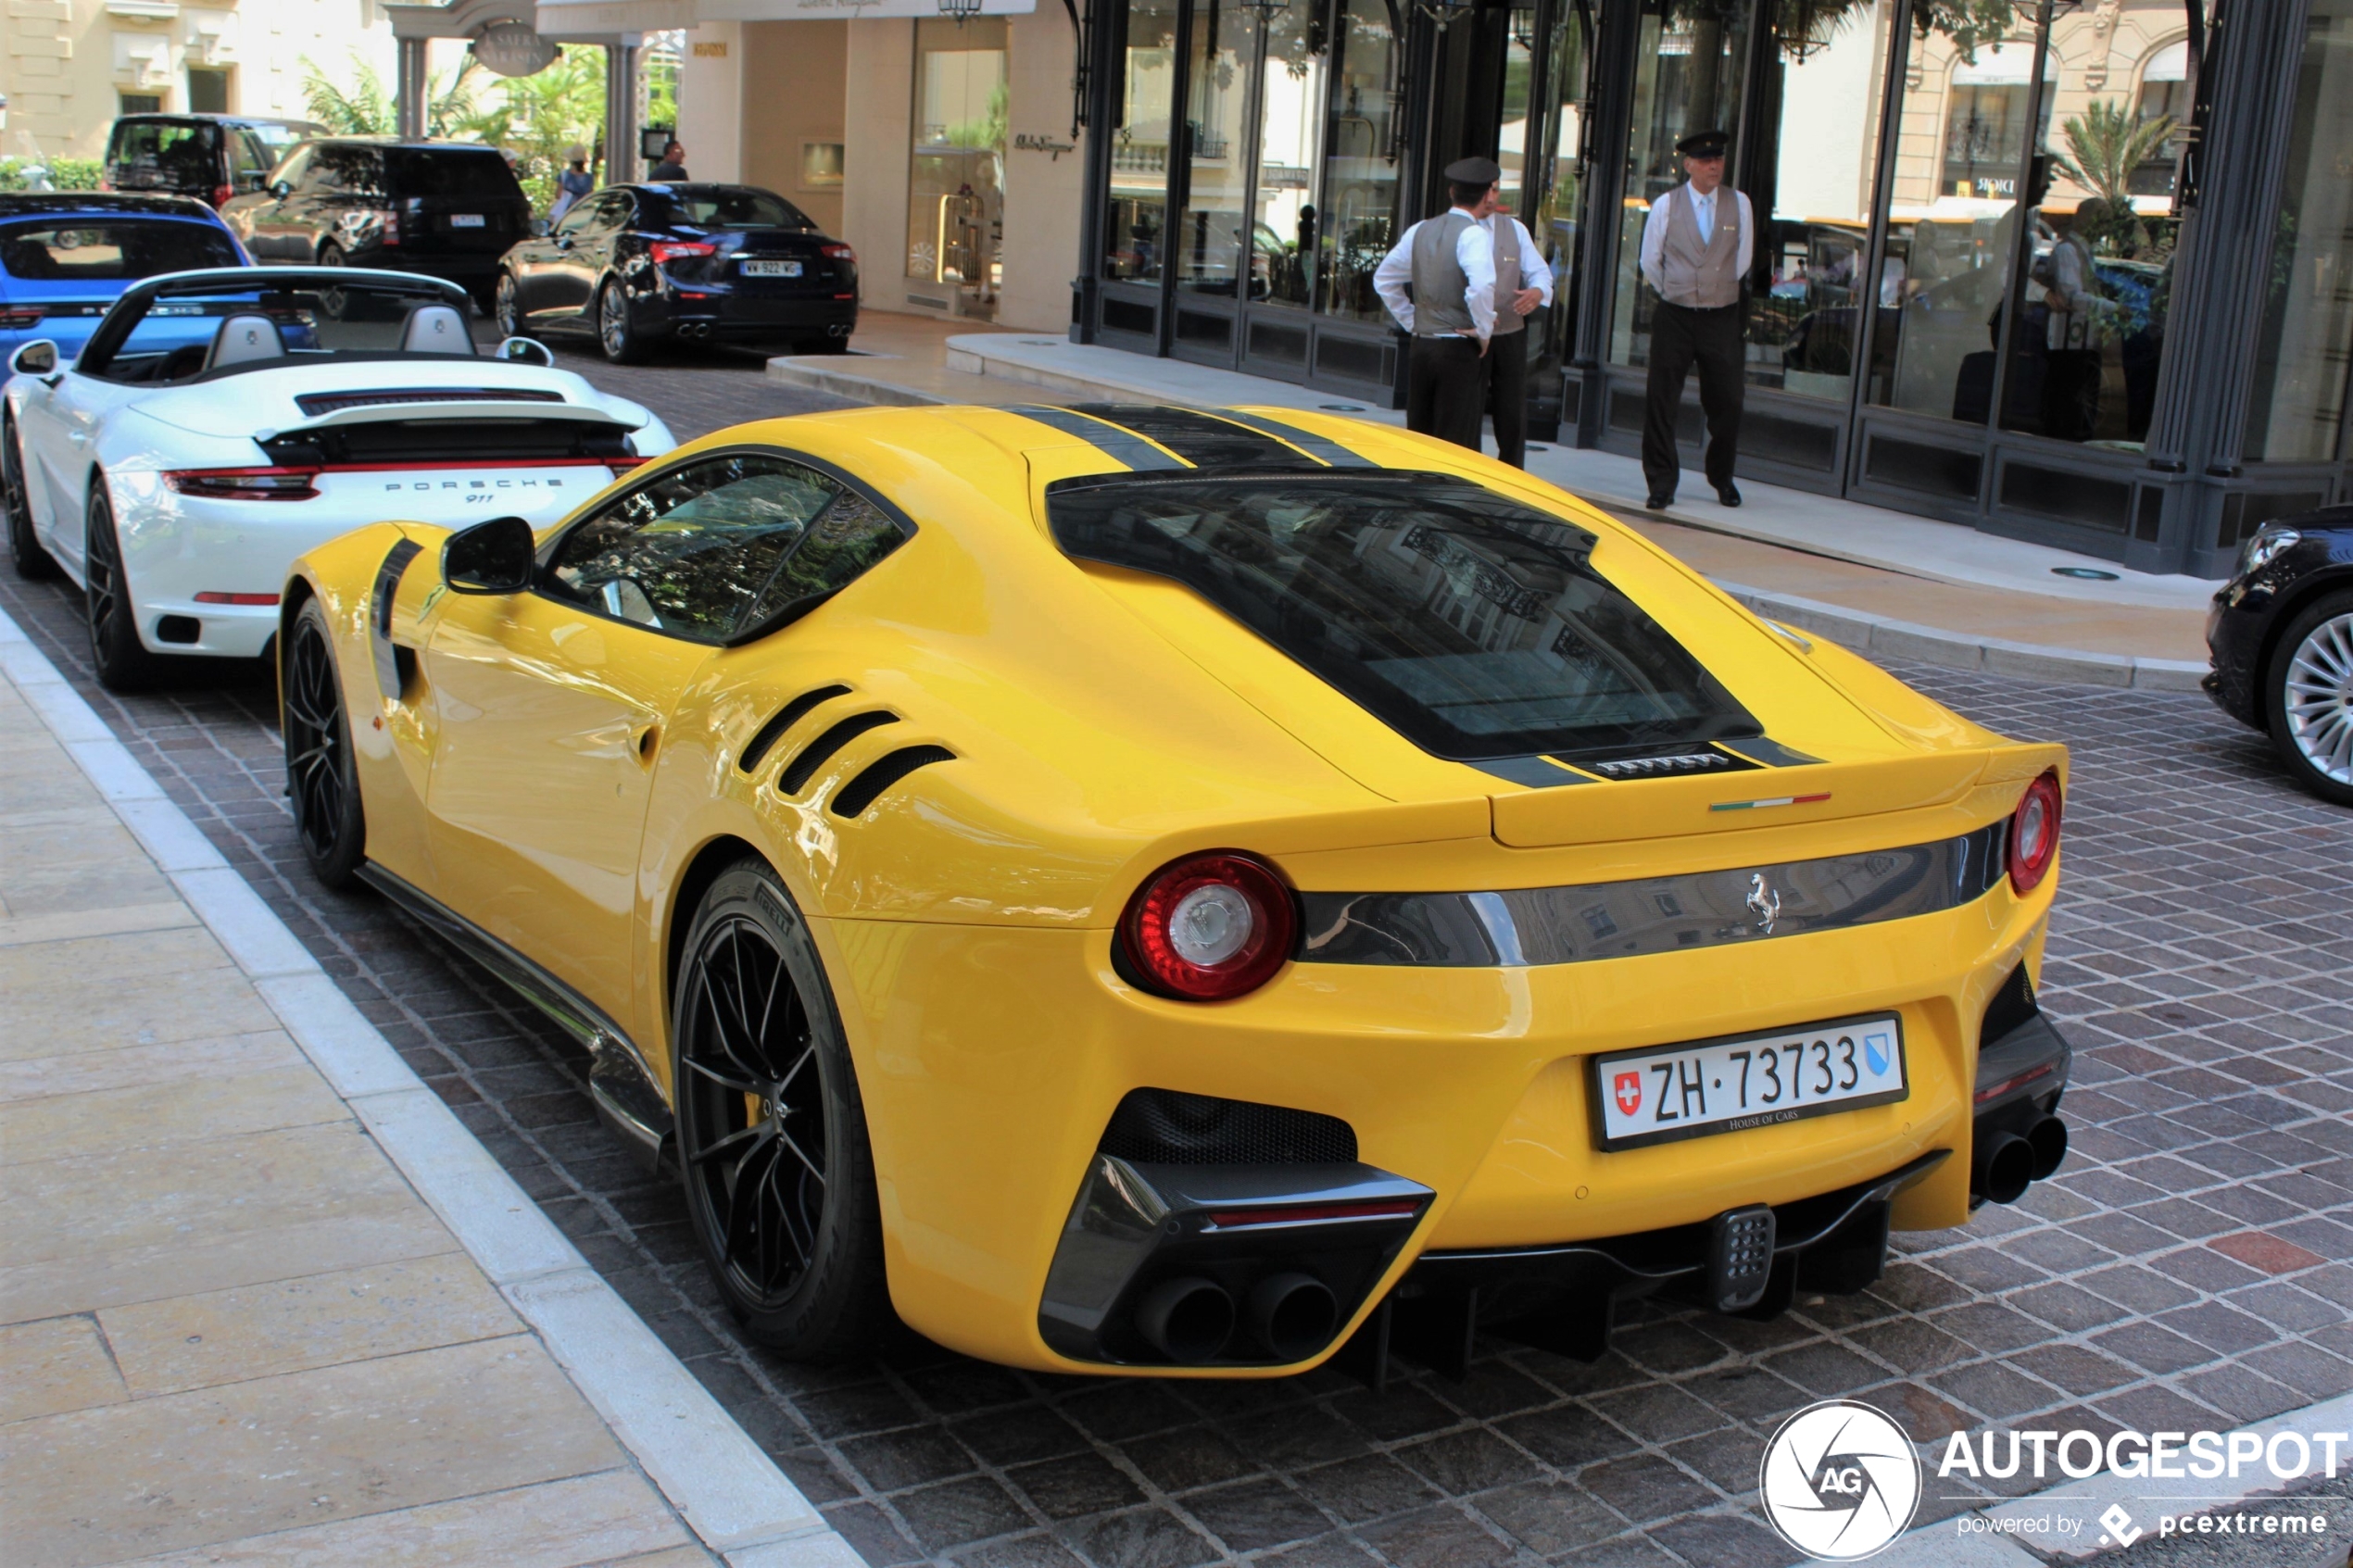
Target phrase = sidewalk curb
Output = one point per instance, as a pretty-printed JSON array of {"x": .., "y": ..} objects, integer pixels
[
  {"x": 1862, "y": 630},
  {"x": 727, "y": 1491},
  {"x": 811, "y": 375}
]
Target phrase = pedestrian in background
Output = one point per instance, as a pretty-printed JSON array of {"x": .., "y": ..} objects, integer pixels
[
  {"x": 1449, "y": 261},
  {"x": 1696, "y": 249},
  {"x": 1523, "y": 285},
  {"x": 574, "y": 182},
  {"x": 673, "y": 165}
]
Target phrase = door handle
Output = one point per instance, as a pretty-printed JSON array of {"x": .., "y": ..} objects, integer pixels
[{"x": 78, "y": 437}]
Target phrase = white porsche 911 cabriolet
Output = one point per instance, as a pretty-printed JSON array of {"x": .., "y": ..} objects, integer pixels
[{"x": 220, "y": 424}]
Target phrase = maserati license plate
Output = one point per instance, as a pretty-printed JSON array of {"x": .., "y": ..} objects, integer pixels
[
  {"x": 771, "y": 268},
  {"x": 465, "y": 221},
  {"x": 1664, "y": 1093}
]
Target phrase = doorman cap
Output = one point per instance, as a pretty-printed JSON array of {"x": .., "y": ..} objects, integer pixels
[
  {"x": 1703, "y": 144},
  {"x": 1474, "y": 171}
]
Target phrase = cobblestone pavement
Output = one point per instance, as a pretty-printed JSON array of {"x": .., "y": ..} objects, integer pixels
[{"x": 2188, "y": 1268}]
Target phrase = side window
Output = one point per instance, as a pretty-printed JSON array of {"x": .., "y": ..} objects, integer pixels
[
  {"x": 718, "y": 548},
  {"x": 343, "y": 170},
  {"x": 248, "y": 160},
  {"x": 609, "y": 211},
  {"x": 577, "y": 219},
  {"x": 296, "y": 165}
]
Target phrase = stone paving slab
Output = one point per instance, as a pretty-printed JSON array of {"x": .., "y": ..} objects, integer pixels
[
  {"x": 2189, "y": 1268},
  {"x": 228, "y": 1328}
]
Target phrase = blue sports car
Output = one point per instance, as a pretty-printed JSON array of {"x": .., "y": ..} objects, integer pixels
[{"x": 66, "y": 256}]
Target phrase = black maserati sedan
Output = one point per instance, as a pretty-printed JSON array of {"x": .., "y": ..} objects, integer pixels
[
  {"x": 2280, "y": 633},
  {"x": 687, "y": 262}
]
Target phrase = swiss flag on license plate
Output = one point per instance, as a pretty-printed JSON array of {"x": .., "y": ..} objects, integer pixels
[{"x": 1628, "y": 1090}]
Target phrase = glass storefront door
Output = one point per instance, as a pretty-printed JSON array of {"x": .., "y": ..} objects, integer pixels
[{"x": 956, "y": 173}]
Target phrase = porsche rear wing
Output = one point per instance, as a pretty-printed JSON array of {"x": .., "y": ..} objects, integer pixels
[{"x": 397, "y": 409}]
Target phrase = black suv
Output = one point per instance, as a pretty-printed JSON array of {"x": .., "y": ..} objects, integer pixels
[
  {"x": 210, "y": 156},
  {"x": 448, "y": 210}
]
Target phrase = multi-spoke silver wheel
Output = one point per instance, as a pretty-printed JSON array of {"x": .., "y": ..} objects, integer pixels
[
  {"x": 616, "y": 333},
  {"x": 771, "y": 1131},
  {"x": 2317, "y": 699}
]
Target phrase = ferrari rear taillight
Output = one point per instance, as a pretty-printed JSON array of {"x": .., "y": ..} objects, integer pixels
[
  {"x": 1208, "y": 927},
  {"x": 665, "y": 252},
  {"x": 2035, "y": 834},
  {"x": 246, "y": 485}
]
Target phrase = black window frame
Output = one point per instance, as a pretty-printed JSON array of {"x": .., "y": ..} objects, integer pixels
[{"x": 543, "y": 563}]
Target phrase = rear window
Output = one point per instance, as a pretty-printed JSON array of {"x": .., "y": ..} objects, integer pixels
[
  {"x": 1473, "y": 625},
  {"x": 147, "y": 152},
  {"x": 736, "y": 210},
  {"x": 447, "y": 171},
  {"x": 111, "y": 250}
]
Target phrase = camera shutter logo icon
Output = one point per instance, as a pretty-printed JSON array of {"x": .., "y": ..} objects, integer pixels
[{"x": 1840, "y": 1481}]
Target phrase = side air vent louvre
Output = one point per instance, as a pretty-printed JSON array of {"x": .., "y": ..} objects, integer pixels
[
  {"x": 803, "y": 768},
  {"x": 854, "y": 797},
  {"x": 787, "y": 717}
]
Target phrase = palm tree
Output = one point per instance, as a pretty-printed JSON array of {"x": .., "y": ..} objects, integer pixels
[
  {"x": 2105, "y": 144},
  {"x": 367, "y": 108}
]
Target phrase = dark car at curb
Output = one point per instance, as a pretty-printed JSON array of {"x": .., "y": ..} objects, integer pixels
[
  {"x": 446, "y": 210},
  {"x": 2280, "y": 633},
  {"x": 635, "y": 266},
  {"x": 213, "y": 158}
]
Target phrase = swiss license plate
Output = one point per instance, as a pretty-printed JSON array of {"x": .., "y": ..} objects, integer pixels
[
  {"x": 771, "y": 268},
  {"x": 1664, "y": 1093},
  {"x": 465, "y": 221}
]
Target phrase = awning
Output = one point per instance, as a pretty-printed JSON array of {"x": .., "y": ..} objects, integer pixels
[
  {"x": 2170, "y": 64},
  {"x": 1996, "y": 65},
  {"x": 557, "y": 17}
]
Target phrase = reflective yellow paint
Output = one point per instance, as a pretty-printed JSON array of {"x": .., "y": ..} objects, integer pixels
[{"x": 1105, "y": 722}]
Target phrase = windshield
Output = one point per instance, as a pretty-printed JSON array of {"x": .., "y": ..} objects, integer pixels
[
  {"x": 171, "y": 338},
  {"x": 148, "y": 153},
  {"x": 719, "y": 208},
  {"x": 1473, "y": 625},
  {"x": 448, "y": 171},
  {"x": 110, "y": 249}
]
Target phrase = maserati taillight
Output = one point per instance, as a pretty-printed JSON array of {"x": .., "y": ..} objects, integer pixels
[
  {"x": 246, "y": 485},
  {"x": 665, "y": 252},
  {"x": 2035, "y": 834},
  {"x": 842, "y": 253},
  {"x": 1208, "y": 927}
]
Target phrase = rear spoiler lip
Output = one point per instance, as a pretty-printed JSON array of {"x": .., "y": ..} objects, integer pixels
[{"x": 469, "y": 409}]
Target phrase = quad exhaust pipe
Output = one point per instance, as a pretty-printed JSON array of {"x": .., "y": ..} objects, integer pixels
[
  {"x": 1191, "y": 1321},
  {"x": 694, "y": 331},
  {"x": 2002, "y": 1165}
]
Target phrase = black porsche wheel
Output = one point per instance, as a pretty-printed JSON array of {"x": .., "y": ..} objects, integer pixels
[
  {"x": 771, "y": 1132},
  {"x": 123, "y": 662},
  {"x": 331, "y": 255},
  {"x": 617, "y": 333},
  {"x": 2310, "y": 698},
  {"x": 320, "y": 778},
  {"x": 24, "y": 550},
  {"x": 506, "y": 310}
]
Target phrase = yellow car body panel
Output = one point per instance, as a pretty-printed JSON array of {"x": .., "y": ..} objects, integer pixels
[{"x": 1104, "y": 722}]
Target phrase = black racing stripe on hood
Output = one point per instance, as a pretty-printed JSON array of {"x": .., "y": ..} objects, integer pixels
[
  {"x": 1123, "y": 445},
  {"x": 1322, "y": 448},
  {"x": 1206, "y": 441}
]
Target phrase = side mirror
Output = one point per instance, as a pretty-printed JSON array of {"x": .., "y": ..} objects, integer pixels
[
  {"x": 38, "y": 358},
  {"x": 282, "y": 190},
  {"x": 523, "y": 351},
  {"x": 563, "y": 242},
  {"x": 489, "y": 557}
]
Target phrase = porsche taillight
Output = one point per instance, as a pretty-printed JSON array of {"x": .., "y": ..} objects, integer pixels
[
  {"x": 2035, "y": 834},
  {"x": 246, "y": 485},
  {"x": 1208, "y": 927},
  {"x": 623, "y": 465}
]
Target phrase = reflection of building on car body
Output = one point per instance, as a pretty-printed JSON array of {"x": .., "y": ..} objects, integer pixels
[
  {"x": 803, "y": 774},
  {"x": 219, "y": 423}
]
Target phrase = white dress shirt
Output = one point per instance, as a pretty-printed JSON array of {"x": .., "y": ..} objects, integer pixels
[
  {"x": 1535, "y": 272},
  {"x": 1473, "y": 253},
  {"x": 1703, "y": 214}
]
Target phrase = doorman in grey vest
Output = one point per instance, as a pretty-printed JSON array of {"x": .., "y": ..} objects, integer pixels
[
  {"x": 1523, "y": 285},
  {"x": 1696, "y": 248},
  {"x": 1450, "y": 262}
]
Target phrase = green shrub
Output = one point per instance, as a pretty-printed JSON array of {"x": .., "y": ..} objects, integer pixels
[{"x": 65, "y": 173}]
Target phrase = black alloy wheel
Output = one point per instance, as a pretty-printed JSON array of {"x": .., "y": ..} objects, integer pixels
[
  {"x": 772, "y": 1132},
  {"x": 32, "y": 561},
  {"x": 123, "y": 662},
  {"x": 321, "y": 779},
  {"x": 330, "y": 255},
  {"x": 2309, "y": 697},
  {"x": 617, "y": 332},
  {"x": 506, "y": 310}
]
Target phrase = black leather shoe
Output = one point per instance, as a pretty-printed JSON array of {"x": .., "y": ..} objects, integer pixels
[
  {"x": 1659, "y": 503},
  {"x": 1729, "y": 494}
]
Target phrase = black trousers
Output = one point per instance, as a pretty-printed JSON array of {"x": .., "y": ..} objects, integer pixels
[
  {"x": 1681, "y": 337},
  {"x": 1445, "y": 393},
  {"x": 1507, "y": 366}
]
